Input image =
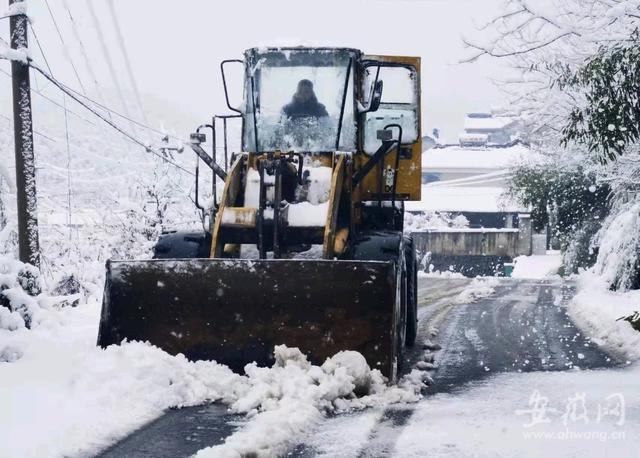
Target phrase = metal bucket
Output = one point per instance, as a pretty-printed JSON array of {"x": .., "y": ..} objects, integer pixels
[{"x": 236, "y": 311}]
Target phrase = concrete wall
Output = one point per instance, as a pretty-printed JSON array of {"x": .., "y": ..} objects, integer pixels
[
  {"x": 525, "y": 237},
  {"x": 503, "y": 243},
  {"x": 471, "y": 253}
]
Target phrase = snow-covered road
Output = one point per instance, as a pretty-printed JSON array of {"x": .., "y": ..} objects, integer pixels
[{"x": 497, "y": 353}]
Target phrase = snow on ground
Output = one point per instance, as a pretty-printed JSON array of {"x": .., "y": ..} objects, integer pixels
[
  {"x": 537, "y": 266},
  {"x": 62, "y": 396},
  {"x": 597, "y": 311},
  {"x": 534, "y": 414},
  {"x": 480, "y": 287},
  {"x": 537, "y": 414},
  {"x": 285, "y": 402},
  {"x": 438, "y": 274}
]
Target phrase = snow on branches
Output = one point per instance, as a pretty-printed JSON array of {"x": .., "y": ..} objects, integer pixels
[{"x": 544, "y": 41}]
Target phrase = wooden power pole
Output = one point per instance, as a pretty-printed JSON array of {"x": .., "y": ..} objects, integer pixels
[{"x": 28, "y": 243}]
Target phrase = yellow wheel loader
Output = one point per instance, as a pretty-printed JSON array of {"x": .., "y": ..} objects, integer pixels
[{"x": 305, "y": 245}]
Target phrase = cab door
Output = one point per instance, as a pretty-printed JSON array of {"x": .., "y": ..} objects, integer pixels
[{"x": 400, "y": 104}]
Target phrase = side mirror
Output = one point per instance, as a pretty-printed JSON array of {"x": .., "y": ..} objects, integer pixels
[
  {"x": 224, "y": 83},
  {"x": 375, "y": 98}
]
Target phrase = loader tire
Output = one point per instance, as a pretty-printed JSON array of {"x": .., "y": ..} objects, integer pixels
[
  {"x": 411, "y": 292},
  {"x": 182, "y": 245}
]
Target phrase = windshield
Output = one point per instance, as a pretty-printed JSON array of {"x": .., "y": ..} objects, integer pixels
[{"x": 295, "y": 100}]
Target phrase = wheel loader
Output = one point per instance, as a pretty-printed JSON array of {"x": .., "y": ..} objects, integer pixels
[{"x": 304, "y": 245}]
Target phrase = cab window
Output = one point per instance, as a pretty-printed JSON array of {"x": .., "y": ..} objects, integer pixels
[{"x": 399, "y": 104}]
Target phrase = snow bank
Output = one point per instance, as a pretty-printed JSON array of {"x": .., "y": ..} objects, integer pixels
[
  {"x": 285, "y": 402},
  {"x": 537, "y": 266},
  {"x": 597, "y": 311},
  {"x": 61, "y": 395}
]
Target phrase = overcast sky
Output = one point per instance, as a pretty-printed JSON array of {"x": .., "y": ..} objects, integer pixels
[{"x": 176, "y": 46}]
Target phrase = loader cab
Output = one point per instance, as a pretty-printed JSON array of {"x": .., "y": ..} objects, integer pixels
[
  {"x": 300, "y": 100},
  {"x": 360, "y": 95}
]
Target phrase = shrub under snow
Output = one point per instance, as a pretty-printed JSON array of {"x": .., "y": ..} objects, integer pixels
[
  {"x": 619, "y": 247},
  {"x": 19, "y": 291}
]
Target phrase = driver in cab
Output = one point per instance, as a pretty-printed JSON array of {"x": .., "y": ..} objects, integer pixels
[{"x": 304, "y": 103}]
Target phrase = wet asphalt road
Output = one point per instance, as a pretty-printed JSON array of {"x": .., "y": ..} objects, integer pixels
[{"x": 523, "y": 326}]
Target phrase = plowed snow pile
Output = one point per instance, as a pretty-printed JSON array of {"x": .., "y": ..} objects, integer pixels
[
  {"x": 599, "y": 312},
  {"x": 63, "y": 396}
]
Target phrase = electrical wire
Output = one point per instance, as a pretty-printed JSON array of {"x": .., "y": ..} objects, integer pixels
[
  {"x": 34, "y": 131},
  {"x": 138, "y": 123},
  {"x": 125, "y": 54},
  {"x": 107, "y": 57},
  {"x": 54, "y": 102},
  {"x": 64, "y": 45},
  {"x": 83, "y": 52},
  {"x": 64, "y": 89}
]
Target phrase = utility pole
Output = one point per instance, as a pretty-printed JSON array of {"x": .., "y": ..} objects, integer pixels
[{"x": 28, "y": 243}]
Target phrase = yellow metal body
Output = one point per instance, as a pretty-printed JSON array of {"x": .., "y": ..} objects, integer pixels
[
  {"x": 410, "y": 170},
  {"x": 345, "y": 165}
]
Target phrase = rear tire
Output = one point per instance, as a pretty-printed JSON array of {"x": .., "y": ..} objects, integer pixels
[{"x": 411, "y": 292}]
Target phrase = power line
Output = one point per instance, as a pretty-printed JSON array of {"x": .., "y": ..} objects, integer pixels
[
  {"x": 138, "y": 123},
  {"x": 64, "y": 46},
  {"x": 83, "y": 51},
  {"x": 82, "y": 118},
  {"x": 127, "y": 62},
  {"x": 34, "y": 131},
  {"x": 54, "y": 102},
  {"x": 108, "y": 60},
  {"x": 33, "y": 31},
  {"x": 64, "y": 89}
]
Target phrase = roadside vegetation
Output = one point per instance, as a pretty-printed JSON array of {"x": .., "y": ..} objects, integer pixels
[{"x": 576, "y": 88}]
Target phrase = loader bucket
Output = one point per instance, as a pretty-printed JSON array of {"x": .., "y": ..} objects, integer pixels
[{"x": 236, "y": 311}]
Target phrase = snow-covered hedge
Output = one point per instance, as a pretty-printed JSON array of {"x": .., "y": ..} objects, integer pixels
[
  {"x": 19, "y": 290},
  {"x": 619, "y": 247}
]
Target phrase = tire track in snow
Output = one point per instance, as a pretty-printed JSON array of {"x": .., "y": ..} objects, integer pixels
[{"x": 496, "y": 334}]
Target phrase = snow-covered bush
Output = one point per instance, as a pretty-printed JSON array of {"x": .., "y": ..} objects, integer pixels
[
  {"x": 618, "y": 259},
  {"x": 419, "y": 222},
  {"x": 579, "y": 251},
  {"x": 572, "y": 201},
  {"x": 19, "y": 289}
]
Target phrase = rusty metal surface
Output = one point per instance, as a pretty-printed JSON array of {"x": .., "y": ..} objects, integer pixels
[{"x": 236, "y": 311}]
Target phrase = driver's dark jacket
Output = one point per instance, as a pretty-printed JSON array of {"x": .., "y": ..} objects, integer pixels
[{"x": 312, "y": 108}]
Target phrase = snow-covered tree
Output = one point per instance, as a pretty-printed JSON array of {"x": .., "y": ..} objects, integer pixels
[{"x": 575, "y": 84}]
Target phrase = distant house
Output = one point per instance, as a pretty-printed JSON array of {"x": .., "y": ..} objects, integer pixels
[
  {"x": 469, "y": 178},
  {"x": 488, "y": 166},
  {"x": 483, "y": 129}
]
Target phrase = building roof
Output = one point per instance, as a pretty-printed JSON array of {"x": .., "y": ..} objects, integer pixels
[
  {"x": 457, "y": 157},
  {"x": 437, "y": 198},
  {"x": 486, "y": 123}
]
